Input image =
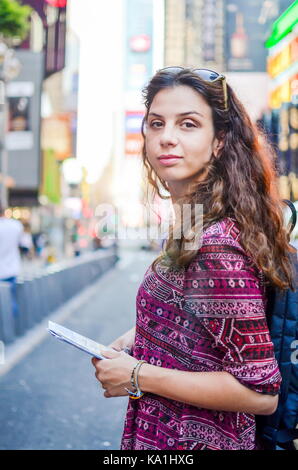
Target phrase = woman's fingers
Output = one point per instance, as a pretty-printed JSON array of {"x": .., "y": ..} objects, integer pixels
[
  {"x": 99, "y": 377},
  {"x": 94, "y": 361}
]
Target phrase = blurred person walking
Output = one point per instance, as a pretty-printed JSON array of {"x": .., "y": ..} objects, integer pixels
[
  {"x": 26, "y": 243},
  {"x": 39, "y": 242},
  {"x": 75, "y": 238},
  {"x": 11, "y": 232},
  {"x": 202, "y": 362}
]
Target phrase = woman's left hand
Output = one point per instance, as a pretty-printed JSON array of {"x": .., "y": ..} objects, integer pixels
[{"x": 114, "y": 373}]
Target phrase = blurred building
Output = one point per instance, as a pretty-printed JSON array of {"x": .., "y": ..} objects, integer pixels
[
  {"x": 42, "y": 120},
  {"x": 138, "y": 65},
  {"x": 227, "y": 36},
  {"x": 194, "y": 33},
  {"x": 61, "y": 202},
  {"x": 280, "y": 120}
]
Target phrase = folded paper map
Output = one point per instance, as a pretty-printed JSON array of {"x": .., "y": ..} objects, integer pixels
[{"x": 81, "y": 342}]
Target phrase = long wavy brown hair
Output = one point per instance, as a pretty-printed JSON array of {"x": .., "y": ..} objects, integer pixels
[{"x": 240, "y": 182}]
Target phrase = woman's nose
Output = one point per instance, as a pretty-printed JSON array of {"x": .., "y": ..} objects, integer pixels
[{"x": 168, "y": 136}]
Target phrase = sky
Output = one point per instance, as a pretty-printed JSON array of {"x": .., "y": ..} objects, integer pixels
[{"x": 99, "y": 26}]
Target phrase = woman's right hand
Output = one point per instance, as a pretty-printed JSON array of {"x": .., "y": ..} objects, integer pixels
[{"x": 124, "y": 341}]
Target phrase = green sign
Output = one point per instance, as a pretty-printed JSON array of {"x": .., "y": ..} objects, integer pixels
[
  {"x": 283, "y": 25},
  {"x": 51, "y": 177}
]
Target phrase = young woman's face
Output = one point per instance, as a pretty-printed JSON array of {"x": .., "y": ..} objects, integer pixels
[{"x": 179, "y": 125}]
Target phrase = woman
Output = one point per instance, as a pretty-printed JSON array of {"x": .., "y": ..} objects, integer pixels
[{"x": 201, "y": 325}]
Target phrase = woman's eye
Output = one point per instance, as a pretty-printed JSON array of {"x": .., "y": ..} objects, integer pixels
[
  {"x": 188, "y": 124},
  {"x": 156, "y": 124}
]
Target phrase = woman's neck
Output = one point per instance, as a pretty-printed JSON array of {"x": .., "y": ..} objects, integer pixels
[{"x": 177, "y": 191}]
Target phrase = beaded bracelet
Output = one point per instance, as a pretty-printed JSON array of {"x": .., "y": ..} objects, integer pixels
[
  {"x": 134, "y": 382},
  {"x": 132, "y": 378},
  {"x": 138, "y": 393}
]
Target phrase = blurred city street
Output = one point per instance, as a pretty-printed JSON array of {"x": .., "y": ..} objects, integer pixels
[{"x": 51, "y": 399}]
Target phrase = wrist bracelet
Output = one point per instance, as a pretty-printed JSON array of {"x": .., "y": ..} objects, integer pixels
[
  {"x": 137, "y": 373},
  {"x": 132, "y": 378},
  {"x": 134, "y": 381}
]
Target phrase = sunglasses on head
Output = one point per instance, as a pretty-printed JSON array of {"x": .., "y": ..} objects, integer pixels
[{"x": 207, "y": 75}]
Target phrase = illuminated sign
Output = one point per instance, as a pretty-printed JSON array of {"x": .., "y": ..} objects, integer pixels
[
  {"x": 281, "y": 94},
  {"x": 280, "y": 62},
  {"x": 140, "y": 43},
  {"x": 57, "y": 3},
  {"x": 283, "y": 25},
  {"x": 133, "y": 137}
]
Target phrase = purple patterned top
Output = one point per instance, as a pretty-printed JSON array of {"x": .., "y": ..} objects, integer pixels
[{"x": 208, "y": 317}]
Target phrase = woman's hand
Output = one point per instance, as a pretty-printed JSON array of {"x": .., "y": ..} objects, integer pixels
[
  {"x": 114, "y": 373},
  {"x": 125, "y": 341}
]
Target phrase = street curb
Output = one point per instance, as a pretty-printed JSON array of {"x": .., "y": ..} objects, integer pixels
[{"x": 15, "y": 352}]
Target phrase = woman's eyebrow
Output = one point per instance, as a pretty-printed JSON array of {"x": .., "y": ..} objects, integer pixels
[{"x": 180, "y": 114}]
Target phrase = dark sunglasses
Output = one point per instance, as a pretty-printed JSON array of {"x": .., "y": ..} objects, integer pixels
[{"x": 207, "y": 75}]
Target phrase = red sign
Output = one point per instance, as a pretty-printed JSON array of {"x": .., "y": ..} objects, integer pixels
[{"x": 57, "y": 3}]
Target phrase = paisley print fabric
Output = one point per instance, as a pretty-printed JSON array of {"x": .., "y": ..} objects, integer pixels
[{"x": 208, "y": 317}]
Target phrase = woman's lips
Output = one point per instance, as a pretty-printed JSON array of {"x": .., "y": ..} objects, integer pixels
[{"x": 166, "y": 161}]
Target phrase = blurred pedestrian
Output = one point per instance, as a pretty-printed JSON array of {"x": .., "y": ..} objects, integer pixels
[
  {"x": 26, "y": 244},
  {"x": 202, "y": 362},
  {"x": 75, "y": 238},
  {"x": 39, "y": 242},
  {"x": 97, "y": 243},
  {"x": 11, "y": 232}
]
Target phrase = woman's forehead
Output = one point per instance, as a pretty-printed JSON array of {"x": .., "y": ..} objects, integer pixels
[{"x": 178, "y": 100}]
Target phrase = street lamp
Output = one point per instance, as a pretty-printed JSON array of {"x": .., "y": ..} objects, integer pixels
[{"x": 10, "y": 68}]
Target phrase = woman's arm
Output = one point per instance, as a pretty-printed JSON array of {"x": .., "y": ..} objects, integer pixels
[
  {"x": 211, "y": 390},
  {"x": 219, "y": 391}
]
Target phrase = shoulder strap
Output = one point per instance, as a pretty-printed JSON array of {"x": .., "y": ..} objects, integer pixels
[{"x": 283, "y": 331}]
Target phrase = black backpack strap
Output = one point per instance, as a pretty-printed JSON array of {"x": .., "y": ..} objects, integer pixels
[
  {"x": 294, "y": 214},
  {"x": 278, "y": 326},
  {"x": 283, "y": 332}
]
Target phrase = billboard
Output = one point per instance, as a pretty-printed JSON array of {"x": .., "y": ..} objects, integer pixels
[
  {"x": 23, "y": 137},
  {"x": 51, "y": 185},
  {"x": 133, "y": 137},
  {"x": 248, "y": 26},
  {"x": 56, "y": 135},
  {"x": 138, "y": 43},
  {"x": 19, "y": 104}
]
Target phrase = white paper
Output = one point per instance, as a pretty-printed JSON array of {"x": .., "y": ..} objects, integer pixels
[{"x": 81, "y": 342}]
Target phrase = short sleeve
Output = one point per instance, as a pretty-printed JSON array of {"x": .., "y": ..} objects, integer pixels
[{"x": 222, "y": 289}]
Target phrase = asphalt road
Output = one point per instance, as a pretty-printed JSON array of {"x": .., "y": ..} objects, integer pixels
[{"x": 51, "y": 398}]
